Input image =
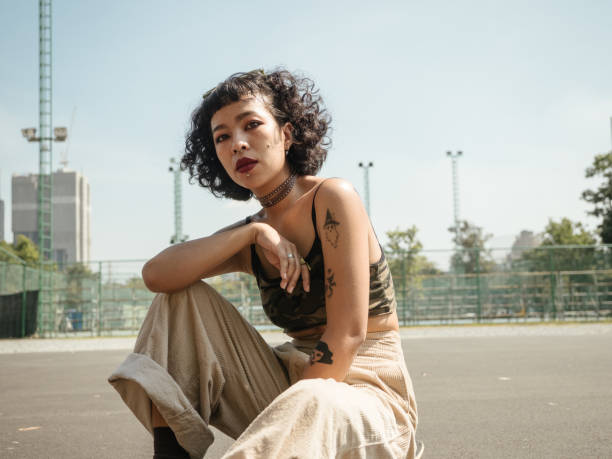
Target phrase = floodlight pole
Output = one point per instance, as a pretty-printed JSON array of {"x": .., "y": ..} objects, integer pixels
[
  {"x": 454, "y": 157},
  {"x": 178, "y": 204},
  {"x": 45, "y": 163},
  {"x": 366, "y": 183}
]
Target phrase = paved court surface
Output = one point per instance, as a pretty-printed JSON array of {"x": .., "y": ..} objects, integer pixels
[{"x": 483, "y": 392}]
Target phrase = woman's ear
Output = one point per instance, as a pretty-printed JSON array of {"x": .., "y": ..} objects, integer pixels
[{"x": 288, "y": 133}]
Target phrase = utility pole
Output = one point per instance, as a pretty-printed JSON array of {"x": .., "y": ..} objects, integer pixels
[
  {"x": 454, "y": 157},
  {"x": 366, "y": 183},
  {"x": 45, "y": 164},
  {"x": 178, "y": 204}
]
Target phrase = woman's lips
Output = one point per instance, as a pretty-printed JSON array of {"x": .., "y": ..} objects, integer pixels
[{"x": 245, "y": 165}]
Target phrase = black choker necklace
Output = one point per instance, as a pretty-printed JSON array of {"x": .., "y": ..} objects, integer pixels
[{"x": 279, "y": 193}]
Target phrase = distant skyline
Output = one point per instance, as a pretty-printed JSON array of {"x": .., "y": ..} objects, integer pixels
[{"x": 524, "y": 89}]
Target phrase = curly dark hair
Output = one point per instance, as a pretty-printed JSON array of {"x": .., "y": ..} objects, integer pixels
[{"x": 289, "y": 98}]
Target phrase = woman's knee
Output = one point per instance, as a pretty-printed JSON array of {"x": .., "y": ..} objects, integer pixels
[
  {"x": 318, "y": 393},
  {"x": 199, "y": 292}
]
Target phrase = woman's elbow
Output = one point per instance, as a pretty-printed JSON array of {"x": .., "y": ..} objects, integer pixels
[
  {"x": 151, "y": 277},
  {"x": 356, "y": 336},
  {"x": 360, "y": 337}
]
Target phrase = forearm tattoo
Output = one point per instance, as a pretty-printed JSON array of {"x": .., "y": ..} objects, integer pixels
[
  {"x": 331, "y": 229},
  {"x": 330, "y": 283},
  {"x": 321, "y": 354}
]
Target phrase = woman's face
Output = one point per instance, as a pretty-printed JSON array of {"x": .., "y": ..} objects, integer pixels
[{"x": 250, "y": 144}]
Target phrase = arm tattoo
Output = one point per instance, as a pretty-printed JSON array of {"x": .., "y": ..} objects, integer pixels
[
  {"x": 321, "y": 354},
  {"x": 331, "y": 283},
  {"x": 331, "y": 229}
]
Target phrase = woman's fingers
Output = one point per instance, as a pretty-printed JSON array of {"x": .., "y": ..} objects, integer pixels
[
  {"x": 305, "y": 275},
  {"x": 284, "y": 262},
  {"x": 290, "y": 258},
  {"x": 285, "y": 256},
  {"x": 294, "y": 274}
]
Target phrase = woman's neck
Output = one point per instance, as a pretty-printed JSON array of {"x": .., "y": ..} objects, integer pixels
[{"x": 281, "y": 207}]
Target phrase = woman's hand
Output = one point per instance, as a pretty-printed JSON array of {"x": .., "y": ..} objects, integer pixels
[{"x": 283, "y": 255}]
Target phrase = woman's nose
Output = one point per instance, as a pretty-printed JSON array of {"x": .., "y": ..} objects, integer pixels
[{"x": 240, "y": 144}]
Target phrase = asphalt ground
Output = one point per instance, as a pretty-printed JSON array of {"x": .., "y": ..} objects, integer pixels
[{"x": 535, "y": 395}]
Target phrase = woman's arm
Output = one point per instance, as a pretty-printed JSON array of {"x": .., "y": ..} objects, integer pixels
[
  {"x": 183, "y": 264},
  {"x": 343, "y": 229},
  {"x": 226, "y": 251}
]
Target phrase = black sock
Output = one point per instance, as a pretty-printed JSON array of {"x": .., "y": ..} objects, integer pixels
[{"x": 165, "y": 445}]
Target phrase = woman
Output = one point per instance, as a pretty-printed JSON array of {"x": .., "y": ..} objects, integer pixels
[{"x": 340, "y": 388}]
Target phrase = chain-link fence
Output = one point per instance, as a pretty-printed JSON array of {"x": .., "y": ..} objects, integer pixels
[
  {"x": 546, "y": 283},
  {"x": 497, "y": 285}
]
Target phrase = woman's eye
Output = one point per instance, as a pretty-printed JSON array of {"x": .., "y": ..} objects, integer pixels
[
  {"x": 253, "y": 124},
  {"x": 221, "y": 138}
]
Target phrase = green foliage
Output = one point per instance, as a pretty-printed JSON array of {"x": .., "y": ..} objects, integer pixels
[
  {"x": 25, "y": 249},
  {"x": 564, "y": 232},
  {"x": 472, "y": 257},
  {"x": 567, "y": 232},
  {"x": 79, "y": 271},
  {"x": 406, "y": 264},
  {"x": 403, "y": 245},
  {"x": 601, "y": 197}
]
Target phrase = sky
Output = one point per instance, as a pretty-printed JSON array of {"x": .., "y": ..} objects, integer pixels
[{"x": 523, "y": 88}]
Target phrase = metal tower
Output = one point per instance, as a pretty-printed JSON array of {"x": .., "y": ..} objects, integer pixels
[
  {"x": 454, "y": 157},
  {"x": 366, "y": 183},
  {"x": 45, "y": 176},
  {"x": 178, "y": 204},
  {"x": 45, "y": 169}
]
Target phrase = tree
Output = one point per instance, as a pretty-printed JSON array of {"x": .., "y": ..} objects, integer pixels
[
  {"x": 24, "y": 248},
  {"x": 472, "y": 257},
  {"x": 567, "y": 232},
  {"x": 601, "y": 198},
  {"x": 4, "y": 256},
  {"x": 564, "y": 232},
  {"x": 403, "y": 247}
]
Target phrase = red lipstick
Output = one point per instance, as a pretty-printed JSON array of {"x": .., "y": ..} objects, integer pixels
[{"x": 244, "y": 165}]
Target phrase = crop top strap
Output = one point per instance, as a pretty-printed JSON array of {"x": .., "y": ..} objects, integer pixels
[{"x": 314, "y": 213}]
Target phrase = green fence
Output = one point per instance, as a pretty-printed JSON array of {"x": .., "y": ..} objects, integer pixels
[
  {"x": 544, "y": 283},
  {"x": 547, "y": 283}
]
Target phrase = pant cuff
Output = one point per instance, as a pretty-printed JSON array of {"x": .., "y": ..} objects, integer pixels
[{"x": 140, "y": 381}]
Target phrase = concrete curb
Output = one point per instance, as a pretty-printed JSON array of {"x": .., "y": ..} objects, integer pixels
[{"x": 31, "y": 345}]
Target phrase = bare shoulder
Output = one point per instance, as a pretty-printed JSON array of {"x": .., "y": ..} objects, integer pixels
[{"x": 338, "y": 191}]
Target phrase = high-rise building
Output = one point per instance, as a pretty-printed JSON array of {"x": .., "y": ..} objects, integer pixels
[{"x": 71, "y": 213}]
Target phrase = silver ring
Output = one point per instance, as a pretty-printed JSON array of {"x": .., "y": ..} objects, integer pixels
[{"x": 290, "y": 255}]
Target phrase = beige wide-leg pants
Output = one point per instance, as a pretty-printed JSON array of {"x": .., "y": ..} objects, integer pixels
[{"x": 201, "y": 363}]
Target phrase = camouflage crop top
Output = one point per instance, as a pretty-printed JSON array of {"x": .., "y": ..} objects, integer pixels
[{"x": 301, "y": 310}]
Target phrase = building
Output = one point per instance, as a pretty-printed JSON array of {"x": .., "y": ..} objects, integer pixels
[
  {"x": 524, "y": 241},
  {"x": 71, "y": 213}
]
